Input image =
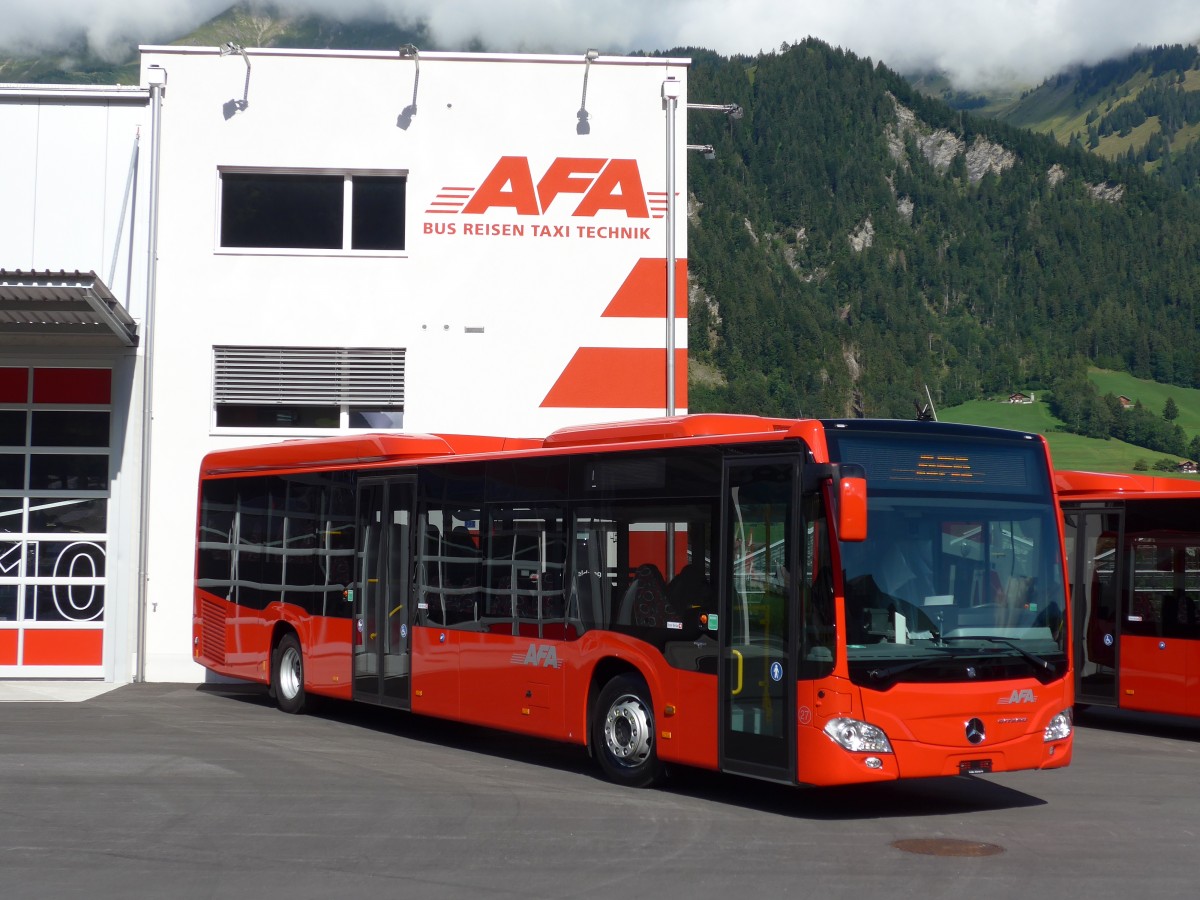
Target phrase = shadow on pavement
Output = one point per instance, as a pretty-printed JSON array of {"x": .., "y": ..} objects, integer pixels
[{"x": 919, "y": 797}]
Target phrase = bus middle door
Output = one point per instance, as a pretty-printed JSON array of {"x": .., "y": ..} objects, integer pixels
[{"x": 382, "y": 607}]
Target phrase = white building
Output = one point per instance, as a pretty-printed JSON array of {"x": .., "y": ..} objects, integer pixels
[{"x": 345, "y": 240}]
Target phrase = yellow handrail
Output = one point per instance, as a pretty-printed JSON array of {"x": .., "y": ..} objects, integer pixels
[{"x": 737, "y": 690}]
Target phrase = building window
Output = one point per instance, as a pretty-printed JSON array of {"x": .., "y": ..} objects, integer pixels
[
  {"x": 312, "y": 211},
  {"x": 309, "y": 388}
]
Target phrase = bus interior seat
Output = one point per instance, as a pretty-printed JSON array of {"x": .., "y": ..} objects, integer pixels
[
  {"x": 689, "y": 592},
  {"x": 645, "y": 601}
]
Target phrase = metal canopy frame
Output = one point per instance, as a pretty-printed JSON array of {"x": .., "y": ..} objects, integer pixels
[{"x": 67, "y": 304}]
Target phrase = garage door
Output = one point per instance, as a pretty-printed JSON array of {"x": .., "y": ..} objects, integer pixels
[{"x": 55, "y": 426}]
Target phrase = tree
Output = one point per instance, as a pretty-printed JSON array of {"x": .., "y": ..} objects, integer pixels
[{"x": 1170, "y": 410}]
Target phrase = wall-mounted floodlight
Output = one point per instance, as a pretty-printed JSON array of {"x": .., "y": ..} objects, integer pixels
[
  {"x": 409, "y": 51},
  {"x": 730, "y": 109},
  {"x": 230, "y": 107},
  {"x": 582, "y": 126}
]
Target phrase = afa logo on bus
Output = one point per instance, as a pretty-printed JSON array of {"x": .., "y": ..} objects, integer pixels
[
  {"x": 593, "y": 185},
  {"x": 538, "y": 655}
]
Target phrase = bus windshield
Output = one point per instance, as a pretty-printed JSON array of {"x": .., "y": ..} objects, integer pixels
[{"x": 958, "y": 579}]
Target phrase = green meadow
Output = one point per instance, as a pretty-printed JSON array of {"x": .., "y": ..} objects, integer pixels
[{"x": 1073, "y": 451}]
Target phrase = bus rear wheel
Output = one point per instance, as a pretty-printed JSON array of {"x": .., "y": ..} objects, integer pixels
[
  {"x": 287, "y": 675},
  {"x": 623, "y": 733}
]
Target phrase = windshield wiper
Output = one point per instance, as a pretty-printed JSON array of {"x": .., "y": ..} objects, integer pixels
[
  {"x": 1043, "y": 664},
  {"x": 892, "y": 671}
]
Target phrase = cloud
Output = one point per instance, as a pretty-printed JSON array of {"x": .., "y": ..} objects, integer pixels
[
  {"x": 978, "y": 42},
  {"x": 111, "y": 28}
]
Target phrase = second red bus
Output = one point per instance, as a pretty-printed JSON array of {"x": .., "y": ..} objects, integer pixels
[{"x": 1133, "y": 547}]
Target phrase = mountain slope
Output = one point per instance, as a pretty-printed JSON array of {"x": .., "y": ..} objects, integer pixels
[
  {"x": 854, "y": 242},
  {"x": 1144, "y": 108}
]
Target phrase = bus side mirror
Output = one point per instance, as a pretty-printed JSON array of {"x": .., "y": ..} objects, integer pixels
[{"x": 852, "y": 505}]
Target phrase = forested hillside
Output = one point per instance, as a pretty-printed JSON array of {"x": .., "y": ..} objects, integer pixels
[{"x": 854, "y": 242}]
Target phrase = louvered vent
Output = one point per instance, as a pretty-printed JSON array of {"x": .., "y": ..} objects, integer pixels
[
  {"x": 212, "y": 635},
  {"x": 309, "y": 376}
]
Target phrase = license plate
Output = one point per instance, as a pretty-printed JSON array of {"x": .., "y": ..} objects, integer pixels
[{"x": 975, "y": 767}]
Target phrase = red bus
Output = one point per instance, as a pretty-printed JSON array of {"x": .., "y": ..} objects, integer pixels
[
  {"x": 708, "y": 590},
  {"x": 1133, "y": 549}
]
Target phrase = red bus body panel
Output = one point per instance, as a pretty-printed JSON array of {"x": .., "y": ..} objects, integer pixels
[
  {"x": 248, "y": 636},
  {"x": 1160, "y": 675}
]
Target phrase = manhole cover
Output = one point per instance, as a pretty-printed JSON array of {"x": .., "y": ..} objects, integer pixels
[{"x": 947, "y": 847}]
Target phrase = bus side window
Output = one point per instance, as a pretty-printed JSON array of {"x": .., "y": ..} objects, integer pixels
[
  {"x": 460, "y": 577},
  {"x": 524, "y": 558},
  {"x": 429, "y": 593}
]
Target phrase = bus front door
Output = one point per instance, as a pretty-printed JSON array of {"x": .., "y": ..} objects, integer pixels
[
  {"x": 757, "y": 679},
  {"x": 381, "y": 600},
  {"x": 1095, "y": 569}
]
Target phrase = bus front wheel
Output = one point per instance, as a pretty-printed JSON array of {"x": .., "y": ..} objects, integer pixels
[
  {"x": 623, "y": 733},
  {"x": 287, "y": 677}
]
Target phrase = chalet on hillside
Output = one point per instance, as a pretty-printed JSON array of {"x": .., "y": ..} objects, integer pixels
[
  {"x": 1126, "y": 402},
  {"x": 1018, "y": 397},
  {"x": 1187, "y": 467}
]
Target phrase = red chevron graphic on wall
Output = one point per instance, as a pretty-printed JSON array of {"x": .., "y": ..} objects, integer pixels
[{"x": 628, "y": 377}]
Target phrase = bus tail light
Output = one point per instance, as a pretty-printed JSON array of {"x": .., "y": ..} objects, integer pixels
[
  {"x": 1059, "y": 727},
  {"x": 856, "y": 736}
]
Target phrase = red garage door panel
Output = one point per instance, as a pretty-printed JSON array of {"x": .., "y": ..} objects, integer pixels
[
  {"x": 8, "y": 647},
  {"x": 61, "y": 647}
]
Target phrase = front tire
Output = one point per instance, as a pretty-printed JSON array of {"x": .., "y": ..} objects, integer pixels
[
  {"x": 287, "y": 675},
  {"x": 623, "y": 733}
]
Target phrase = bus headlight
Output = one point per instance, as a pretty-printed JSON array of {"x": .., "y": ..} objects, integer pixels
[
  {"x": 1059, "y": 727},
  {"x": 856, "y": 736}
]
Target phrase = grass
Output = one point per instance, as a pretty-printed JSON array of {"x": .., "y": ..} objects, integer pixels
[
  {"x": 1073, "y": 451},
  {"x": 1153, "y": 396},
  {"x": 1054, "y": 109},
  {"x": 1115, "y": 145},
  {"x": 1057, "y": 109}
]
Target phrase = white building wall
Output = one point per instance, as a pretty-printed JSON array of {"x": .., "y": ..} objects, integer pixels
[
  {"x": 70, "y": 205},
  {"x": 64, "y": 167},
  {"x": 490, "y": 322}
]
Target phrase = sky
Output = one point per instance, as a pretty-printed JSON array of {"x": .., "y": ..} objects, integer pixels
[{"x": 980, "y": 44}]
